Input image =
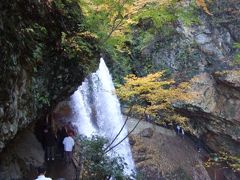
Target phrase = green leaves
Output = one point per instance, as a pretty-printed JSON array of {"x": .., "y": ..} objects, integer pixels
[
  {"x": 158, "y": 13},
  {"x": 97, "y": 164},
  {"x": 236, "y": 60},
  {"x": 188, "y": 15},
  {"x": 126, "y": 27}
]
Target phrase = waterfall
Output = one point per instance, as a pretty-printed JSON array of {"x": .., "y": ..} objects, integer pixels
[
  {"x": 81, "y": 111},
  {"x": 97, "y": 111}
]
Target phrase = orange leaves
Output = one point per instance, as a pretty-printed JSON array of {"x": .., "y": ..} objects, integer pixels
[{"x": 202, "y": 4}]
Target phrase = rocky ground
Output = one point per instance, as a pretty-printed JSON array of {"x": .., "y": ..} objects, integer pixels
[
  {"x": 60, "y": 171},
  {"x": 161, "y": 154}
]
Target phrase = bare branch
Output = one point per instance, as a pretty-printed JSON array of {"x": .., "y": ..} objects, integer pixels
[
  {"x": 127, "y": 134},
  {"x": 120, "y": 129}
]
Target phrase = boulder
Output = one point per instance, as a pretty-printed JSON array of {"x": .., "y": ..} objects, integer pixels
[
  {"x": 21, "y": 158},
  {"x": 132, "y": 141},
  {"x": 148, "y": 133}
]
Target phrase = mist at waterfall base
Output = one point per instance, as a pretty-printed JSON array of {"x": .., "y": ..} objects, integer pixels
[{"x": 96, "y": 111}]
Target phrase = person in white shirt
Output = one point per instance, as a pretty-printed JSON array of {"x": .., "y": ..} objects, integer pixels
[
  {"x": 41, "y": 174},
  {"x": 68, "y": 144},
  {"x": 182, "y": 131},
  {"x": 178, "y": 129}
]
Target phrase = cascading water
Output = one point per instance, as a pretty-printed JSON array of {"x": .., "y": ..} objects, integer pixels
[
  {"x": 97, "y": 111},
  {"x": 81, "y": 111}
]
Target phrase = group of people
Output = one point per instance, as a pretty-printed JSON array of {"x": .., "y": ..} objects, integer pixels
[
  {"x": 180, "y": 130},
  {"x": 56, "y": 140},
  {"x": 68, "y": 143},
  {"x": 61, "y": 140}
]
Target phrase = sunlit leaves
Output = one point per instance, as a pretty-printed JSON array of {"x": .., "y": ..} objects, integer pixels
[
  {"x": 153, "y": 93},
  {"x": 114, "y": 18},
  {"x": 159, "y": 11},
  {"x": 104, "y": 16}
]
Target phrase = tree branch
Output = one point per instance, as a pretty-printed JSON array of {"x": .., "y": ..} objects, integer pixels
[
  {"x": 120, "y": 129},
  {"x": 126, "y": 135}
]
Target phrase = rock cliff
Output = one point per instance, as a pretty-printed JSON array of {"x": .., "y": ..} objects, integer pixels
[
  {"x": 215, "y": 113},
  {"x": 205, "y": 51}
]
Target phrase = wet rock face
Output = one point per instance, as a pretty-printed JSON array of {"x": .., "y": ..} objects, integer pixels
[
  {"x": 167, "y": 157},
  {"x": 148, "y": 132}
]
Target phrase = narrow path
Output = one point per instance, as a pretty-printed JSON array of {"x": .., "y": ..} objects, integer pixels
[
  {"x": 144, "y": 124},
  {"x": 58, "y": 170}
]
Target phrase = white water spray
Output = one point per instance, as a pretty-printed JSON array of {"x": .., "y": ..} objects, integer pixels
[{"x": 97, "y": 111}]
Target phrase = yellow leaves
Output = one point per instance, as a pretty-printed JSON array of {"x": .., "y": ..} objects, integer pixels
[
  {"x": 153, "y": 93},
  {"x": 144, "y": 86},
  {"x": 202, "y": 4},
  {"x": 152, "y": 88}
]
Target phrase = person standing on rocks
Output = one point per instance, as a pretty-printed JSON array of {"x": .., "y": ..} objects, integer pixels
[
  {"x": 178, "y": 129},
  {"x": 182, "y": 132},
  {"x": 68, "y": 143},
  {"x": 41, "y": 174}
]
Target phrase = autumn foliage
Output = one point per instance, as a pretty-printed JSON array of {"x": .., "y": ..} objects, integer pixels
[
  {"x": 154, "y": 96},
  {"x": 115, "y": 17},
  {"x": 202, "y": 4}
]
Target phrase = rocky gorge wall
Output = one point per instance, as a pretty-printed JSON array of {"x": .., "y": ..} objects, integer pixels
[
  {"x": 215, "y": 113},
  {"x": 205, "y": 51}
]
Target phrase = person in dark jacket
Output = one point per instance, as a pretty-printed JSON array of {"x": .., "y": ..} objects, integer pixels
[{"x": 49, "y": 141}]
